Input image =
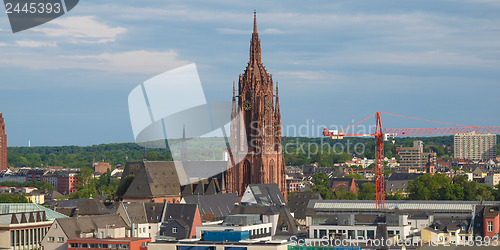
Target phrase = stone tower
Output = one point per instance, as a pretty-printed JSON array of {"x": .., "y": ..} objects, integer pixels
[
  {"x": 259, "y": 127},
  {"x": 3, "y": 145}
]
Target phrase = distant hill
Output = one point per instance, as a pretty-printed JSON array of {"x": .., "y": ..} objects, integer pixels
[{"x": 298, "y": 151}]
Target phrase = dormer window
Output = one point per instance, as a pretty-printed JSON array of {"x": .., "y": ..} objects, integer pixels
[{"x": 284, "y": 228}]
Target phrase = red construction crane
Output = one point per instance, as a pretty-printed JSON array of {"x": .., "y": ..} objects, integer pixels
[{"x": 381, "y": 135}]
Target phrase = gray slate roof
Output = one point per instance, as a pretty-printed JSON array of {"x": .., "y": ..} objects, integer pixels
[
  {"x": 218, "y": 204},
  {"x": 263, "y": 194},
  {"x": 73, "y": 226},
  {"x": 152, "y": 179}
]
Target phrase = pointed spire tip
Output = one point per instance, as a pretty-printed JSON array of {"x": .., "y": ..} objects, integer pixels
[{"x": 254, "y": 21}]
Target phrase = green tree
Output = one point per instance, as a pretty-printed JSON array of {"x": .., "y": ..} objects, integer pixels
[
  {"x": 367, "y": 191},
  {"x": 320, "y": 179},
  {"x": 8, "y": 198},
  {"x": 355, "y": 176}
]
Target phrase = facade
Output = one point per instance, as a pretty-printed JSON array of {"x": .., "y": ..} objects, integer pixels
[
  {"x": 413, "y": 157},
  {"x": 67, "y": 181},
  {"x": 24, "y": 225},
  {"x": 102, "y": 167},
  {"x": 210, "y": 245},
  {"x": 491, "y": 221},
  {"x": 110, "y": 226},
  {"x": 245, "y": 226},
  {"x": 474, "y": 146},
  {"x": 37, "y": 197},
  {"x": 492, "y": 179},
  {"x": 35, "y": 174},
  {"x": 3, "y": 145},
  {"x": 259, "y": 127},
  {"x": 23, "y": 230},
  {"x": 180, "y": 221},
  {"x": 117, "y": 243}
]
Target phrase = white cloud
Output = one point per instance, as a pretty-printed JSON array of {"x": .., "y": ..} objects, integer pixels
[
  {"x": 139, "y": 61},
  {"x": 35, "y": 44},
  {"x": 82, "y": 29}
]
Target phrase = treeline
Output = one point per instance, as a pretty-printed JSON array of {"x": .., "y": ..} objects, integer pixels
[
  {"x": 441, "y": 187},
  {"x": 40, "y": 185},
  {"x": 78, "y": 157},
  {"x": 13, "y": 198},
  {"x": 298, "y": 151},
  {"x": 326, "y": 151},
  {"x": 425, "y": 187}
]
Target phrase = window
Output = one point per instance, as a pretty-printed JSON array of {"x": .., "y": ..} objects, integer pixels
[
  {"x": 370, "y": 234},
  {"x": 322, "y": 233},
  {"x": 452, "y": 233},
  {"x": 361, "y": 233},
  {"x": 284, "y": 228},
  {"x": 490, "y": 226},
  {"x": 174, "y": 230},
  {"x": 51, "y": 239},
  {"x": 61, "y": 239}
]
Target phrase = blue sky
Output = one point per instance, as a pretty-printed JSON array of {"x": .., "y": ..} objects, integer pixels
[{"x": 67, "y": 82}]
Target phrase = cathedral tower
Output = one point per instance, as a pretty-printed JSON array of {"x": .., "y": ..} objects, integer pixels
[{"x": 259, "y": 126}]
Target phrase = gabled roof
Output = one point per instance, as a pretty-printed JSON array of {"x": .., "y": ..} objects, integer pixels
[
  {"x": 74, "y": 226},
  {"x": 152, "y": 179},
  {"x": 263, "y": 194},
  {"x": 136, "y": 212},
  {"x": 404, "y": 176},
  {"x": 298, "y": 203},
  {"x": 186, "y": 212},
  {"x": 285, "y": 218},
  {"x": 218, "y": 204}
]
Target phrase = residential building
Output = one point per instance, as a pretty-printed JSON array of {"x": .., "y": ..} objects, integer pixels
[
  {"x": 263, "y": 194},
  {"x": 491, "y": 221},
  {"x": 283, "y": 224},
  {"x": 51, "y": 178},
  {"x": 67, "y": 181},
  {"x": 180, "y": 221},
  {"x": 74, "y": 228},
  {"x": 18, "y": 175},
  {"x": 35, "y": 174},
  {"x": 399, "y": 182},
  {"x": 298, "y": 204},
  {"x": 236, "y": 228},
  {"x": 474, "y": 146},
  {"x": 102, "y": 167},
  {"x": 23, "y": 225},
  {"x": 36, "y": 197},
  {"x": 3, "y": 145},
  {"x": 142, "y": 218},
  {"x": 447, "y": 231},
  {"x": 116, "y": 243},
  {"x": 492, "y": 179}
]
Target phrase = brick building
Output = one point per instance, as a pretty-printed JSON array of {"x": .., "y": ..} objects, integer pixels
[
  {"x": 67, "y": 181},
  {"x": 259, "y": 126},
  {"x": 3, "y": 145}
]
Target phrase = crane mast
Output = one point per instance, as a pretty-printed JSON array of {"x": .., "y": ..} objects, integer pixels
[{"x": 381, "y": 135}]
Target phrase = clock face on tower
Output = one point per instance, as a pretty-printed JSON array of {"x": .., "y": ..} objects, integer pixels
[
  {"x": 269, "y": 105},
  {"x": 247, "y": 105}
]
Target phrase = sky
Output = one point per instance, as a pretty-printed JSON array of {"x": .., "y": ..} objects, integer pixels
[{"x": 66, "y": 82}]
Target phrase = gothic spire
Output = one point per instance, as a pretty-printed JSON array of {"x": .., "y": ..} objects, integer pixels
[
  {"x": 254, "y": 21},
  {"x": 255, "y": 43}
]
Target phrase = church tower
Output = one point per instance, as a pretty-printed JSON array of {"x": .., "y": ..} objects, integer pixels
[{"x": 259, "y": 127}]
